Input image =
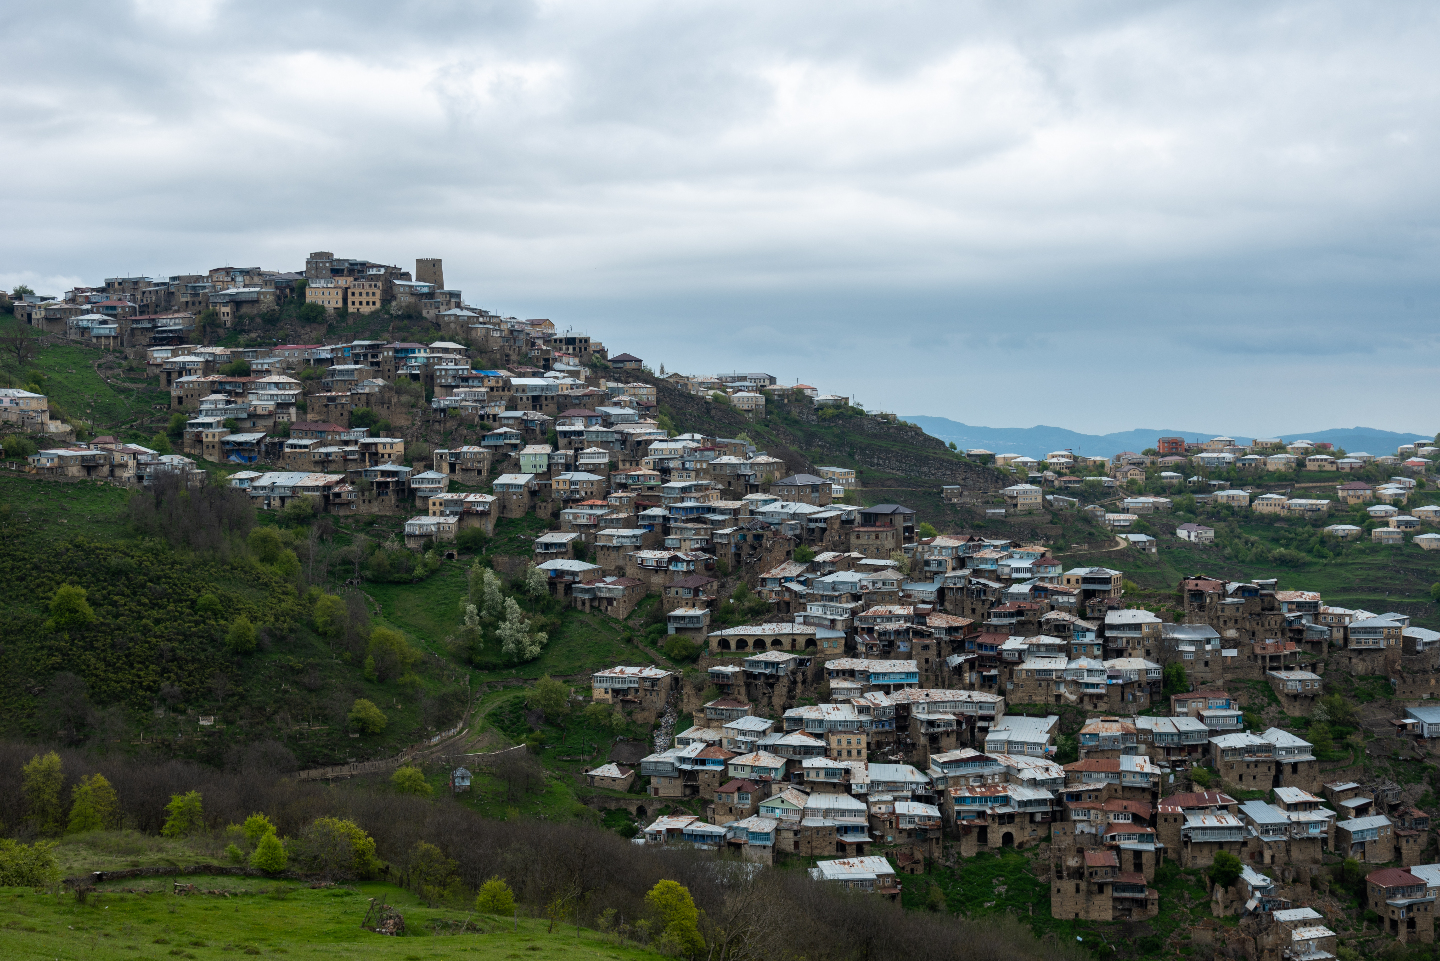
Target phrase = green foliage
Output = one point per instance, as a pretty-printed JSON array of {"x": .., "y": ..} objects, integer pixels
[
  {"x": 256, "y": 827},
  {"x": 208, "y": 605},
  {"x": 94, "y": 805},
  {"x": 234, "y": 855},
  {"x": 176, "y": 427},
  {"x": 681, "y": 649},
  {"x": 242, "y": 636},
  {"x": 27, "y": 865},
  {"x": 41, "y": 780},
  {"x": 236, "y": 368},
  {"x": 161, "y": 444},
  {"x": 1067, "y": 749},
  {"x": 389, "y": 653},
  {"x": 266, "y": 544},
  {"x": 17, "y": 447},
  {"x": 803, "y": 554},
  {"x": 411, "y": 780},
  {"x": 1175, "y": 681},
  {"x": 429, "y": 873},
  {"x": 269, "y": 855},
  {"x": 927, "y": 529},
  {"x": 495, "y": 897},
  {"x": 676, "y": 917},
  {"x": 69, "y": 609},
  {"x": 337, "y": 847},
  {"x": 550, "y": 696},
  {"x": 300, "y": 510},
  {"x": 517, "y": 640},
  {"x": 184, "y": 815},
  {"x": 1202, "y": 776},
  {"x": 329, "y": 616},
  {"x": 1225, "y": 869},
  {"x": 472, "y": 540},
  {"x": 366, "y": 718}
]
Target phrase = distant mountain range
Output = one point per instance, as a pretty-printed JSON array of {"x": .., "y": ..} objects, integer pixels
[{"x": 1039, "y": 441}]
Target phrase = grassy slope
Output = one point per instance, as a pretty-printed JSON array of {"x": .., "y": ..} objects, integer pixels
[
  {"x": 122, "y": 396},
  {"x": 267, "y": 918}
]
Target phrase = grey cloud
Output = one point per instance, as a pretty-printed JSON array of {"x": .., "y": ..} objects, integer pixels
[{"x": 1026, "y": 187}]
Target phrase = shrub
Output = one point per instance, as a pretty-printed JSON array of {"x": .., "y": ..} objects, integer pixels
[
  {"x": 366, "y": 718},
  {"x": 681, "y": 649},
  {"x": 269, "y": 855},
  {"x": 411, "y": 780},
  {"x": 336, "y": 848},
  {"x": 495, "y": 897},
  {"x": 242, "y": 636},
  {"x": 27, "y": 865},
  {"x": 676, "y": 917},
  {"x": 95, "y": 806},
  {"x": 1225, "y": 869},
  {"x": 41, "y": 780},
  {"x": 69, "y": 609},
  {"x": 184, "y": 815},
  {"x": 256, "y": 827}
]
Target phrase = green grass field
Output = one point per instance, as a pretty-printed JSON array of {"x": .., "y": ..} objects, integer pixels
[
  {"x": 122, "y": 397},
  {"x": 269, "y": 918}
]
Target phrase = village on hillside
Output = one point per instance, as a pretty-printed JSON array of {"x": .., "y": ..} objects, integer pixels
[{"x": 900, "y": 696}]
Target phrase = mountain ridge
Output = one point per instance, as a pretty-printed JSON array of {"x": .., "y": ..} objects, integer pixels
[{"x": 1040, "y": 440}]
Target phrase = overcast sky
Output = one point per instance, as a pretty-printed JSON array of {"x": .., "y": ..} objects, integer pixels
[{"x": 1098, "y": 215}]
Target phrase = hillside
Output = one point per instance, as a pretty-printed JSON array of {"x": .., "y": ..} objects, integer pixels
[
  {"x": 1039, "y": 441},
  {"x": 258, "y": 916}
]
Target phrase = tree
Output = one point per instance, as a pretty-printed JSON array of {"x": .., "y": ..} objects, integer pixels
[
  {"x": 69, "y": 609},
  {"x": 537, "y": 584},
  {"x": 28, "y": 865},
  {"x": 803, "y": 554},
  {"x": 161, "y": 445},
  {"x": 927, "y": 529},
  {"x": 516, "y": 639},
  {"x": 366, "y": 718},
  {"x": 1175, "y": 682},
  {"x": 391, "y": 653},
  {"x": 329, "y": 615},
  {"x": 492, "y": 599},
  {"x": 266, "y": 544},
  {"x": 681, "y": 649},
  {"x": 269, "y": 855},
  {"x": 242, "y": 636},
  {"x": 176, "y": 427},
  {"x": 411, "y": 780},
  {"x": 550, "y": 696},
  {"x": 184, "y": 815},
  {"x": 94, "y": 805},
  {"x": 428, "y": 871},
  {"x": 336, "y": 847},
  {"x": 676, "y": 916},
  {"x": 20, "y": 345},
  {"x": 256, "y": 826},
  {"x": 1225, "y": 869},
  {"x": 607, "y": 717},
  {"x": 41, "y": 781},
  {"x": 236, "y": 368},
  {"x": 495, "y": 897}
]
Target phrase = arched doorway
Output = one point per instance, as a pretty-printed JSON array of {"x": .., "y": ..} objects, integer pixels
[
  {"x": 724, "y": 644},
  {"x": 1007, "y": 840},
  {"x": 639, "y": 811},
  {"x": 742, "y": 645}
]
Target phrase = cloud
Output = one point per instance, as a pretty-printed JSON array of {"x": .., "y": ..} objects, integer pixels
[{"x": 1075, "y": 192}]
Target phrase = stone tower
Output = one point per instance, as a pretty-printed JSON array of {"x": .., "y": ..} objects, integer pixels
[{"x": 430, "y": 271}]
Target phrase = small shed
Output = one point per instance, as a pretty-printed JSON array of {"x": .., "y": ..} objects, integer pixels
[{"x": 459, "y": 780}]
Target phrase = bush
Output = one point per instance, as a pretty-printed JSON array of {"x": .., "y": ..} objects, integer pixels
[
  {"x": 69, "y": 609},
  {"x": 27, "y": 865},
  {"x": 366, "y": 718},
  {"x": 336, "y": 848},
  {"x": 411, "y": 780},
  {"x": 256, "y": 827},
  {"x": 472, "y": 540},
  {"x": 495, "y": 897},
  {"x": 269, "y": 855},
  {"x": 95, "y": 807},
  {"x": 184, "y": 815},
  {"x": 1225, "y": 869},
  {"x": 681, "y": 649},
  {"x": 242, "y": 636}
]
